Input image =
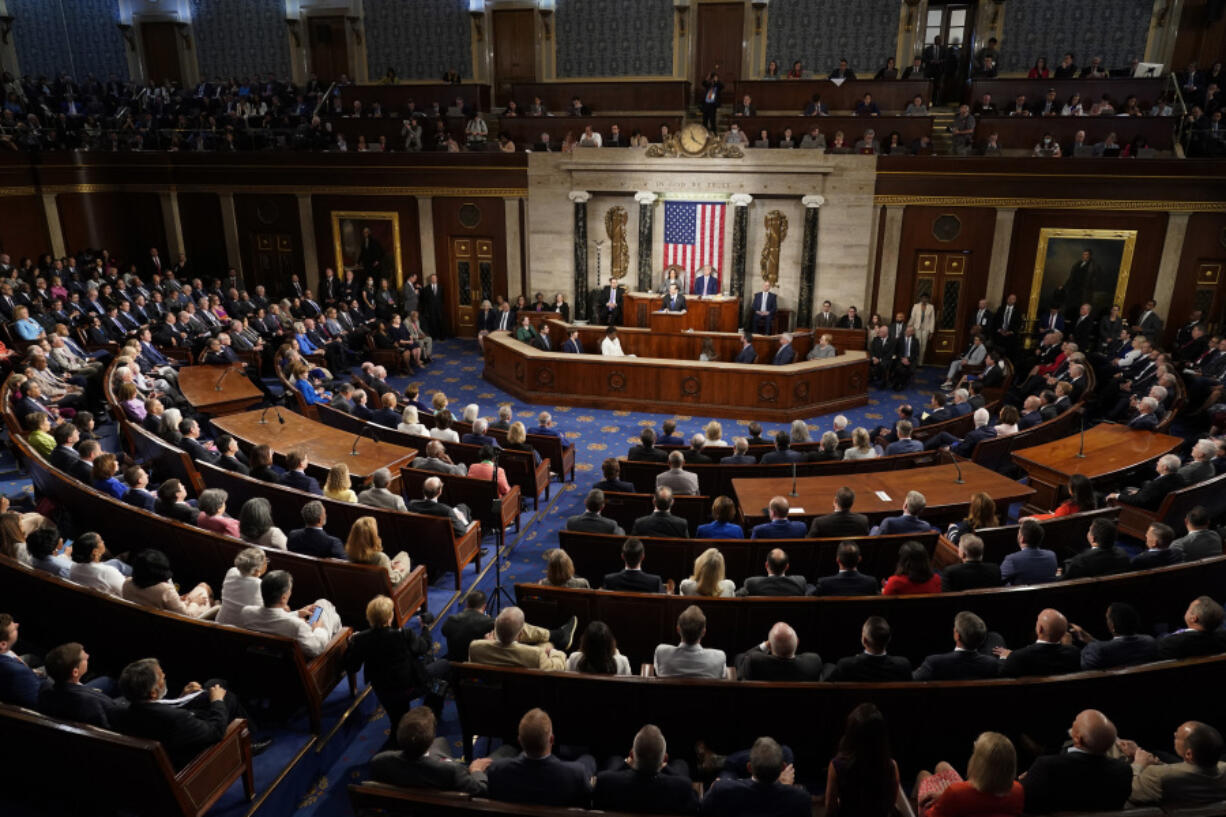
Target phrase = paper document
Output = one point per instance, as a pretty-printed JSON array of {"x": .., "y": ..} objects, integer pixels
[
  {"x": 180, "y": 701},
  {"x": 796, "y": 510},
  {"x": 883, "y": 496}
]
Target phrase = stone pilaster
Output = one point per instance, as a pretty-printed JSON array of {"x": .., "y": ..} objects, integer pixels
[
  {"x": 580, "y": 199},
  {"x": 808, "y": 260},
  {"x": 740, "y": 237},
  {"x": 647, "y": 223}
]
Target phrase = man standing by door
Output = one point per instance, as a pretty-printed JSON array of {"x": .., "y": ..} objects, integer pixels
[
  {"x": 432, "y": 309},
  {"x": 711, "y": 89},
  {"x": 923, "y": 321}
]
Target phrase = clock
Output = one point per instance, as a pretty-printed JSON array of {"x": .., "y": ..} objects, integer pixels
[{"x": 693, "y": 139}]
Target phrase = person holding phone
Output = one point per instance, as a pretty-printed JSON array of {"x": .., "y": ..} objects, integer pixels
[{"x": 313, "y": 626}]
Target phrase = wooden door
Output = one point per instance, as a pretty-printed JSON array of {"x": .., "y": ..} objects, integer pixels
[
  {"x": 329, "y": 50},
  {"x": 272, "y": 262},
  {"x": 1209, "y": 298},
  {"x": 954, "y": 22},
  {"x": 159, "y": 41},
  {"x": 514, "y": 51},
  {"x": 943, "y": 277},
  {"x": 474, "y": 275},
  {"x": 719, "y": 45}
]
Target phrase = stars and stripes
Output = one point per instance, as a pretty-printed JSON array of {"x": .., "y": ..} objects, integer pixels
[{"x": 693, "y": 235}]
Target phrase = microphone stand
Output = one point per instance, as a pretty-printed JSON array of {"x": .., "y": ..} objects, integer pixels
[
  {"x": 272, "y": 406},
  {"x": 1081, "y": 451},
  {"x": 500, "y": 593},
  {"x": 958, "y": 480},
  {"x": 353, "y": 452},
  {"x": 793, "y": 479},
  {"x": 217, "y": 385}
]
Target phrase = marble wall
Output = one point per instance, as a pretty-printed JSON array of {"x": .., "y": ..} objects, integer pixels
[{"x": 776, "y": 180}]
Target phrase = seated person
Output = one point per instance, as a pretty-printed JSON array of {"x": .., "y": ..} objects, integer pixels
[
  {"x": 966, "y": 661},
  {"x": 690, "y": 658},
  {"x": 646, "y": 451},
  {"x": 364, "y": 547},
  {"x": 849, "y": 581},
  {"x": 1083, "y": 778},
  {"x": 424, "y": 761},
  {"x": 536, "y": 775},
  {"x": 776, "y": 659},
  {"x": 1048, "y": 655},
  {"x": 1203, "y": 635},
  {"x": 89, "y": 569},
  {"x": 68, "y": 698},
  {"x": 212, "y": 504},
  {"x": 1102, "y": 558},
  {"x": 1198, "y": 777},
  {"x": 508, "y": 649},
  {"x": 591, "y": 520},
  {"x": 909, "y": 521},
  {"x": 661, "y": 521},
  {"x": 152, "y": 585},
  {"x": 914, "y": 573},
  {"x": 646, "y": 781},
  {"x": 1031, "y": 564},
  {"x": 973, "y": 572},
  {"x": 990, "y": 787},
  {"x": 632, "y": 579},
  {"x": 776, "y": 582},
  {"x": 1125, "y": 648},
  {"x": 770, "y": 789},
  {"x": 311, "y": 539},
  {"x": 873, "y": 664},
  {"x": 1151, "y": 494},
  {"x": 312, "y": 630},
  {"x": 779, "y": 526},
  {"x": 1158, "y": 551},
  {"x": 708, "y": 578},
  {"x": 612, "y": 481}
]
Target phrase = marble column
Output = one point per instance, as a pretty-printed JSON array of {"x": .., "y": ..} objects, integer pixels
[
  {"x": 647, "y": 223},
  {"x": 998, "y": 262},
  {"x": 425, "y": 237},
  {"x": 808, "y": 260},
  {"x": 51, "y": 212},
  {"x": 310, "y": 250},
  {"x": 229, "y": 228},
  {"x": 580, "y": 199},
  {"x": 740, "y": 239},
  {"x": 1168, "y": 265},
  {"x": 172, "y": 223}
]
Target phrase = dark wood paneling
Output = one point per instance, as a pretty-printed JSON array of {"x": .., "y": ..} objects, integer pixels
[
  {"x": 794, "y": 95},
  {"x": 853, "y": 127},
  {"x": 394, "y": 98},
  {"x": 159, "y": 42},
  {"x": 204, "y": 239},
  {"x": 514, "y": 49},
  {"x": 1004, "y": 91},
  {"x": 640, "y": 95},
  {"x": 1151, "y": 231},
  {"x": 329, "y": 50},
  {"x": 1204, "y": 241},
  {"x": 1026, "y": 133},
  {"x": 492, "y": 225},
  {"x": 23, "y": 227},
  {"x": 268, "y": 215},
  {"x": 720, "y": 30},
  {"x": 405, "y": 208},
  {"x": 127, "y": 224},
  {"x": 1202, "y": 36}
]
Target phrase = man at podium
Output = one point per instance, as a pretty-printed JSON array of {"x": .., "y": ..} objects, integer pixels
[
  {"x": 706, "y": 282},
  {"x": 674, "y": 301}
]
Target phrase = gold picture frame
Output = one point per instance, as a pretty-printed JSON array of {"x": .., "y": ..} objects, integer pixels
[
  {"x": 347, "y": 226},
  {"x": 1059, "y": 249}
]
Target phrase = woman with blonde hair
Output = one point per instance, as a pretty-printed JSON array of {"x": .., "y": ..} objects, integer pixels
[
  {"x": 560, "y": 570},
  {"x": 990, "y": 790},
  {"x": 980, "y": 514},
  {"x": 338, "y": 484},
  {"x": 708, "y": 578},
  {"x": 393, "y": 660},
  {"x": 517, "y": 440},
  {"x": 410, "y": 423},
  {"x": 714, "y": 433},
  {"x": 861, "y": 447},
  {"x": 366, "y": 548}
]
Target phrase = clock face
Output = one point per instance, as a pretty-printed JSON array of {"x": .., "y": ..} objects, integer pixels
[{"x": 693, "y": 138}]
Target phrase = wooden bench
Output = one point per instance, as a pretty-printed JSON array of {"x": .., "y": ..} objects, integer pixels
[
  {"x": 625, "y": 508},
  {"x": 596, "y": 554},
  {"x": 117, "y": 632},
  {"x": 1065, "y": 535},
  {"x": 1211, "y": 494},
  {"x": 922, "y": 625},
  {"x": 478, "y": 494},
  {"x": 31, "y": 740}
]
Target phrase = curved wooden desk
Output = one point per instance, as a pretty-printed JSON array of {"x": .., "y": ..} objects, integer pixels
[
  {"x": 667, "y": 377},
  {"x": 218, "y": 390}
]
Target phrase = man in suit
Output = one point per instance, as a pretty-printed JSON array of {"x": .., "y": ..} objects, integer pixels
[
  {"x": 904, "y": 444},
  {"x": 689, "y": 658},
  {"x": 783, "y": 452},
  {"x": 826, "y": 319},
  {"x": 573, "y": 345},
  {"x": 674, "y": 301},
  {"x": 851, "y": 320},
  {"x": 312, "y": 539},
  {"x": 983, "y": 317},
  {"x": 19, "y": 684},
  {"x": 590, "y": 521},
  {"x": 881, "y": 356},
  {"x": 923, "y": 321},
  {"x": 295, "y": 473},
  {"x": 1200, "y": 542},
  {"x": 542, "y": 341},
  {"x": 612, "y": 478},
  {"x": 1102, "y": 558},
  {"x": 612, "y": 299},
  {"x": 1150, "y": 495},
  {"x": 740, "y": 455},
  {"x": 661, "y": 521},
  {"x": 1047, "y": 655},
  {"x": 69, "y": 699},
  {"x": 1200, "y": 467},
  {"x": 535, "y": 775},
  {"x": 138, "y": 494},
  {"x": 908, "y": 521},
  {"x": 632, "y": 579},
  {"x": 966, "y": 446},
  {"x": 966, "y": 662},
  {"x": 1202, "y": 636},
  {"x": 676, "y": 478},
  {"x": 423, "y": 761},
  {"x": 776, "y": 659},
  {"x": 1083, "y": 328},
  {"x": 1081, "y": 777},
  {"x": 190, "y": 442},
  {"x": 1125, "y": 648},
  {"x": 437, "y": 460},
  {"x": 776, "y": 582},
  {"x": 668, "y": 434},
  {"x": 647, "y": 782},
  {"x": 478, "y": 435},
  {"x": 387, "y": 415},
  {"x": 786, "y": 353},
  {"x": 431, "y": 303},
  {"x": 764, "y": 792},
  {"x": 842, "y": 521},
  {"x": 747, "y": 354},
  {"x": 646, "y": 451},
  {"x": 706, "y": 283},
  {"x": 1031, "y": 564},
  {"x": 1008, "y": 325},
  {"x": 460, "y": 515},
  {"x": 907, "y": 354},
  {"x": 184, "y": 730},
  {"x": 378, "y": 496},
  {"x": 229, "y": 457},
  {"x": 1149, "y": 323},
  {"x": 1158, "y": 552},
  {"x": 873, "y": 664},
  {"x": 545, "y": 428},
  {"x": 1199, "y": 777},
  {"x": 779, "y": 526},
  {"x": 973, "y": 572},
  {"x": 849, "y": 581},
  {"x": 762, "y": 311},
  {"x": 508, "y": 649}
]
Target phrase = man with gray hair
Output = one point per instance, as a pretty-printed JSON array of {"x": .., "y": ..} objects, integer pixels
[
  {"x": 769, "y": 789},
  {"x": 968, "y": 660},
  {"x": 378, "y": 496},
  {"x": 503, "y": 647},
  {"x": 786, "y": 353},
  {"x": 241, "y": 587},
  {"x": 432, "y": 489},
  {"x": 909, "y": 521},
  {"x": 1147, "y": 415},
  {"x": 776, "y": 659},
  {"x": 1200, "y": 467},
  {"x": 313, "y": 626},
  {"x": 1150, "y": 495},
  {"x": 478, "y": 435},
  {"x": 505, "y": 418},
  {"x": 647, "y": 782},
  {"x": 966, "y": 446},
  {"x": 694, "y": 454},
  {"x": 676, "y": 478},
  {"x": 436, "y": 459},
  {"x": 740, "y": 453}
]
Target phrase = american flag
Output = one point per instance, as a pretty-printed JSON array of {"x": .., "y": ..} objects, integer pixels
[{"x": 693, "y": 235}]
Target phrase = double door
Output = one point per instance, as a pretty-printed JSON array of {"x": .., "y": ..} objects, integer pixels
[
  {"x": 475, "y": 275},
  {"x": 944, "y": 277}
]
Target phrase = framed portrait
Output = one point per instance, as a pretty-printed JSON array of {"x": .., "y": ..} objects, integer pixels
[
  {"x": 1075, "y": 267},
  {"x": 367, "y": 243}
]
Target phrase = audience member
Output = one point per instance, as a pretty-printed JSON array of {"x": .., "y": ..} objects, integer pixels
[
  {"x": 776, "y": 582},
  {"x": 909, "y": 521},
  {"x": 973, "y": 572},
  {"x": 1125, "y": 648},
  {"x": 151, "y": 584},
  {"x": 770, "y": 789},
  {"x": 842, "y": 521},
  {"x": 966, "y": 661},
  {"x": 708, "y": 578},
  {"x": 661, "y": 521},
  {"x": 597, "y": 653},
  {"x": 632, "y": 578},
  {"x": 779, "y": 526},
  {"x": 990, "y": 787},
  {"x": 862, "y": 779},
  {"x": 721, "y": 526},
  {"x": 424, "y": 761},
  {"x": 849, "y": 581},
  {"x": 776, "y": 659},
  {"x": 690, "y": 658},
  {"x": 1031, "y": 564},
  {"x": 313, "y": 626},
  {"x": 873, "y": 664},
  {"x": 1083, "y": 777},
  {"x": 914, "y": 574},
  {"x": 537, "y": 776},
  {"x": 646, "y": 782}
]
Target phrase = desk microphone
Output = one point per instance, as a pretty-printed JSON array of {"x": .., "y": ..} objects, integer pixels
[
  {"x": 374, "y": 436},
  {"x": 958, "y": 480},
  {"x": 273, "y": 406},
  {"x": 1081, "y": 451},
  {"x": 793, "y": 479},
  {"x": 217, "y": 385}
]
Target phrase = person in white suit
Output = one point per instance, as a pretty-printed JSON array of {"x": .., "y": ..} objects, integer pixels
[{"x": 923, "y": 321}]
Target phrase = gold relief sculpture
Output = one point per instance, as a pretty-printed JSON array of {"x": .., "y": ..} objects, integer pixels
[
  {"x": 694, "y": 141},
  {"x": 776, "y": 224},
  {"x": 615, "y": 228}
]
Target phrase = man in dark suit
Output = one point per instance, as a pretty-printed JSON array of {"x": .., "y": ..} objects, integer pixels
[
  {"x": 1149, "y": 323},
  {"x": 536, "y": 776},
  {"x": 881, "y": 356},
  {"x": 966, "y": 662},
  {"x": 228, "y": 456},
  {"x": 1102, "y": 558},
  {"x": 776, "y": 659},
  {"x": 747, "y": 354},
  {"x": 783, "y": 452},
  {"x": 646, "y": 451},
  {"x": 425, "y": 762},
  {"x": 295, "y": 473},
  {"x": 872, "y": 665},
  {"x": 1125, "y": 648},
  {"x": 786, "y": 353},
  {"x": 432, "y": 488},
  {"x": 612, "y": 299},
  {"x": 674, "y": 301},
  {"x": 612, "y": 481},
  {"x": 312, "y": 539},
  {"x": 983, "y": 317},
  {"x": 542, "y": 340},
  {"x": 762, "y": 312},
  {"x": 849, "y": 581},
  {"x": 776, "y": 582},
  {"x": 649, "y": 783},
  {"x": 1081, "y": 777},
  {"x": 1150, "y": 495},
  {"x": 71, "y": 700},
  {"x": 705, "y": 282},
  {"x": 1031, "y": 564},
  {"x": 190, "y": 442},
  {"x": 478, "y": 435},
  {"x": 762, "y": 793},
  {"x": 904, "y": 359},
  {"x": 1047, "y": 655},
  {"x": 661, "y": 522},
  {"x": 909, "y": 522},
  {"x": 1203, "y": 635},
  {"x": 632, "y": 579},
  {"x": 573, "y": 345},
  {"x": 430, "y": 306},
  {"x": 19, "y": 685},
  {"x": 973, "y": 572},
  {"x": 590, "y": 521},
  {"x": 1008, "y": 325},
  {"x": 669, "y": 435},
  {"x": 779, "y": 526},
  {"x": 387, "y": 415},
  {"x": 185, "y": 730},
  {"x": 843, "y": 521},
  {"x": 466, "y": 626},
  {"x": 740, "y": 455}
]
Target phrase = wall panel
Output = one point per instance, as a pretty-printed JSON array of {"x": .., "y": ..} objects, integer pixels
[
  {"x": 68, "y": 36},
  {"x": 241, "y": 38},
  {"x": 420, "y": 39},
  {"x": 271, "y": 218},
  {"x": 23, "y": 227},
  {"x": 127, "y": 224},
  {"x": 204, "y": 238},
  {"x": 596, "y": 38},
  {"x": 1205, "y": 242},
  {"x": 820, "y": 32},
  {"x": 1112, "y": 29}
]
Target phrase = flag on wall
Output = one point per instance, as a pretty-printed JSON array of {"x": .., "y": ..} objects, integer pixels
[{"x": 694, "y": 235}]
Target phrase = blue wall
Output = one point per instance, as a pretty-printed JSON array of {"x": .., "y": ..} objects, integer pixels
[
  {"x": 820, "y": 32},
  {"x": 599, "y": 38},
  {"x": 1112, "y": 29},
  {"x": 68, "y": 36},
  {"x": 241, "y": 38},
  {"x": 419, "y": 38}
]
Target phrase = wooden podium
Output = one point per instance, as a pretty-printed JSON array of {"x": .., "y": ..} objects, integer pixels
[{"x": 719, "y": 313}]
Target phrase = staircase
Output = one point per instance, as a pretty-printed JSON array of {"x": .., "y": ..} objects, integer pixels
[{"x": 942, "y": 140}]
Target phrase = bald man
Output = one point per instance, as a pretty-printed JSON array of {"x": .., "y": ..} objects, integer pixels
[
  {"x": 502, "y": 647},
  {"x": 1081, "y": 777},
  {"x": 1199, "y": 777},
  {"x": 1048, "y": 655},
  {"x": 775, "y": 659}
]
